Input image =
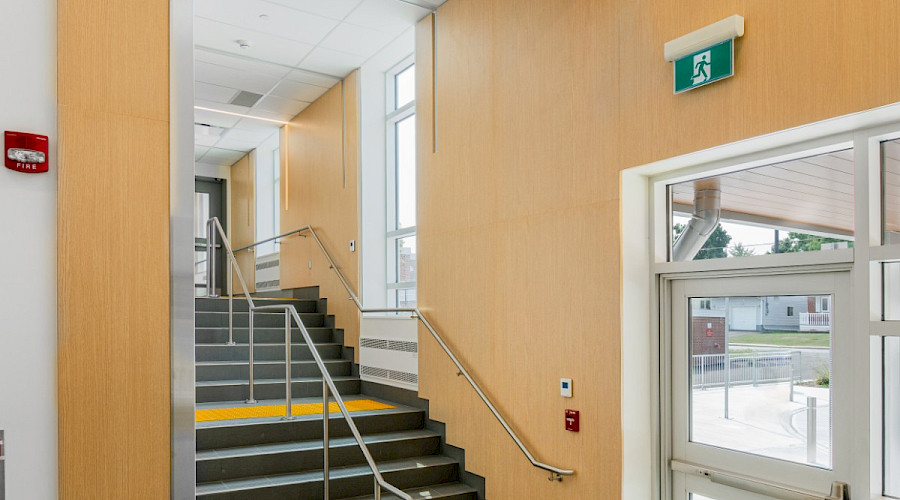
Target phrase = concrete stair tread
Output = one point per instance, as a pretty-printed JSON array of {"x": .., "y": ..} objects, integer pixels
[
  {"x": 273, "y": 313},
  {"x": 266, "y": 344},
  {"x": 357, "y": 415},
  {"x": 245, "y": 484},
  {"x": 318, "y": 380},
  {"x": 268, "y": 362},
  {"x": 436, "y": 491},
  {"x": 278, "y": 328},
  {"x": 348, "y": 441}
]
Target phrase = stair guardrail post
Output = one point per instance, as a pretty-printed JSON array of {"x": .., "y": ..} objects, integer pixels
[
  {"x": 377, "y": 490},
  {"x": 251, "y": 399},
  {"x": 231, "y": 266},
  {"x": 325, "y": 438},
  {"x": 210, "y": 258},
  {"x": 288, "y": 390}
]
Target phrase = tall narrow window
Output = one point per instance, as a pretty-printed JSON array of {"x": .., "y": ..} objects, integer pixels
[
  {"x": 401, "y": 196},
  {"x": 267, "y": 201}
]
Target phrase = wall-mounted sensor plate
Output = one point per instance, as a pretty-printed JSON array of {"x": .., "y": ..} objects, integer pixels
[{"x": 565, "y": 387}]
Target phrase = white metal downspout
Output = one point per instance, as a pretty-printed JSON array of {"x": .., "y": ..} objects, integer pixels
[{"x": 707, "y": 207}]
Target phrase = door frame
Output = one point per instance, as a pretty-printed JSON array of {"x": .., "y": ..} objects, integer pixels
[{"x": 831, "y": 280}]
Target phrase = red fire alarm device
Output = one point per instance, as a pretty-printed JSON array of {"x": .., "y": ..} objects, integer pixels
[
  {"x": 26, "y": 152},
  {"x": 572, "y": 420}
]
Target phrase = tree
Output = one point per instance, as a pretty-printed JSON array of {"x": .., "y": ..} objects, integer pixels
[
  {"x": 800, "y": 242},
  {"x": 715, "y": 246},
  {"x": 739, "y": 250}
]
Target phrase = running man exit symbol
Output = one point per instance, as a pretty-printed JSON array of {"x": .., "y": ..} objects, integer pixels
[
  {"x": 701, "y": 62},
  {"x": 704, "y": 66}
]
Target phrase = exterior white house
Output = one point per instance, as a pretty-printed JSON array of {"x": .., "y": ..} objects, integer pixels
[{"x": 767, "y": 314}]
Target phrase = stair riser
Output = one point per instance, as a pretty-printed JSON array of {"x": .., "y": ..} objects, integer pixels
[
  {"x": 242, "y": 372},
  {"x": 240, "y": 304},
  {"x": 291, "y": 462},
  {"x": 261, "y": 335},
  {"x": 266, "y": 320},
  {"x": 270, "y": 391},
  {"x": 263, "y": 352},
  {"x": 304, "y": 430},
  {"x": 346, "y": 487}
]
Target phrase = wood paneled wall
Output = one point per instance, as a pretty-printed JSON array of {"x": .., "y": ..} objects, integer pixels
[
  {"x": 113, "y": 254},
  {"x": 539, "y": 107},
  {"x": 320, "y": 188},
  {"x": 243, "y": 220}
]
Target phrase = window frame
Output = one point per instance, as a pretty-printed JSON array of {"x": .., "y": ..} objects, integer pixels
[
  {"x": 395, "y": 115},
  {"x": 869, "y": 252}
]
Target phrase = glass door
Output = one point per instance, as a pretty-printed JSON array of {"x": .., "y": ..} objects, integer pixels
[
  {"x": 209, "y": 199},
  {"x": 760, "y": 385}
]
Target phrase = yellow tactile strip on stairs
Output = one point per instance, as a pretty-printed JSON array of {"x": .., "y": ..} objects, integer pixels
[{"x": 212, "y": 414}]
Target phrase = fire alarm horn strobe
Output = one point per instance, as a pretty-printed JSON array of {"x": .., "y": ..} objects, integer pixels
[{"x": 26, "y": 152}]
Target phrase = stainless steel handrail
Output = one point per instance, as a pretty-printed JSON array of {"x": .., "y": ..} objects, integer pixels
[
  {"x": 556, "y": 473},
  {"x": 328, "y": 383}
]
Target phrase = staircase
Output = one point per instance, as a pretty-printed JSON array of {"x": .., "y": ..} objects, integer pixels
[{"x": 269, "y": 458}]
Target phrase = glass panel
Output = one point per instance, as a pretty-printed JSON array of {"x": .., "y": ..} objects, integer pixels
[
  {"x": 406, "y": 297},
  {"x": 892, "y": 416},
  {"x": 201, "y": 214},
  {"x": 890, "y": 272},
  {"x": 406, "y": 259},
  {"x": 760, "y": 375},
  {"x": 200, "y": 268},
  {"x": 406, "y": 172},
  {"x": 405, "y": 86},
  {"x": 890, "y": 160},
  {"x": 796, "y": 206}
]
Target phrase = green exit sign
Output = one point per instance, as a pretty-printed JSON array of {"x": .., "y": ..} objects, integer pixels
[{"x": 704, "y": 66}]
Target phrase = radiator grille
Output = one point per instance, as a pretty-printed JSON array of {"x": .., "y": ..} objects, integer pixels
[
  {"x": 390, "y": 345},
  {"x": 409, "y": 378}
]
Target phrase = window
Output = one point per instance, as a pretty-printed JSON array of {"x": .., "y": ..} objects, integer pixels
[
  {"x": 268, "y": 210},
  {"x": 800, "y": 205},
  {"x": 774, "y": 369},
  {"x": 401, "y": 196}
]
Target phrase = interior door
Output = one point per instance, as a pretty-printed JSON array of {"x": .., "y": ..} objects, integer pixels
[
  {"x": 209, "y": 201},
  {"x": 756, "y": 414}
]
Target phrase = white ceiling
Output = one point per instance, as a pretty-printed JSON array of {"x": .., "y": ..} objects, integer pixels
[{"x": 297, "y": 50}]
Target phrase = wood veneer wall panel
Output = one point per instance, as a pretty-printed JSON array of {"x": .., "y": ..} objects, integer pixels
[
  {"x": 113, "y": 250},
  {"x": 539, "y": 107},
  {"x": 322, "y": 190},
  {"x": 243, "y": 220}
]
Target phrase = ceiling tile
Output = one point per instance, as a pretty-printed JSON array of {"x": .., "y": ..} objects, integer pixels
[
  {"x": 257, "y": 126},
  {"x": 331, "y": 62},
  {"x": 205, "y": 140},
  {"x": 240, "y": 62},
  {"x": 298, "y": 91},
  {"x": 335, "y": 9},
  {"x": 237, "y": 144},
  {"x": 281, "y": 105},
  {"x": 318, "y": 79},
  {"x": 232, "y": 78},
  {"x": 280, "y": 21},
  {"x": 273, "y": 115},
  {"x": 216, "y": 156},
  {"x": 391, "y": 16},
  {"x": 199, "y": 151},
  {"x": 356, "y": 40},
  {"x": 215, "y": 119},
  {"x": 216, "y": 106},
  {"x": 214, "y": 93},
  {"x": 263, "y": 47},
  {"x": 257, "y": 136}
]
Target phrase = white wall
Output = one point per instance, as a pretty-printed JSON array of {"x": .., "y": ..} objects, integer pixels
[{"x": 28, "y": 410}]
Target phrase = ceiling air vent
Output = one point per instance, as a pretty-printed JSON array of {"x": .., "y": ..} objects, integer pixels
[{"x": 245, "y": 98}]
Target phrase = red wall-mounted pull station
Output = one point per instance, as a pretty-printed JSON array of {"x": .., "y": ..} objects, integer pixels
[
  {"x": 26, "y": 152},
  {"x": 572, "y": 420}
]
